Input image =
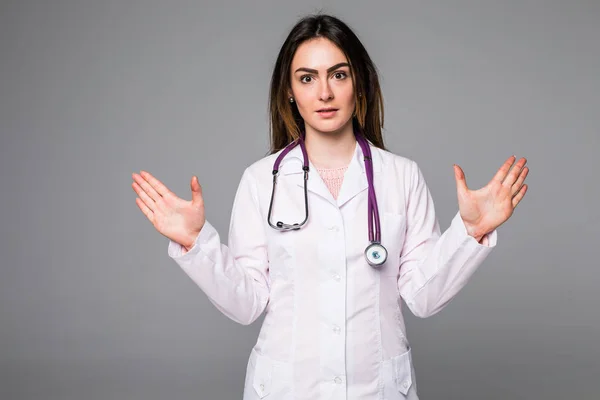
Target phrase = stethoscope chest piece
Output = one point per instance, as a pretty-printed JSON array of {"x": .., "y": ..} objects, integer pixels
[{"x": 376, "y": 254}]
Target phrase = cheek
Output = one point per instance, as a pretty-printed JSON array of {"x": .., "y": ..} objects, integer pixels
[
  {"x": 349, "y": 95},
  {"x": 345, "y": 95},
  {"x": 308, "y": 94},
  {"x": 304, "y": 101},
  {"x": 302, "y": 107}
]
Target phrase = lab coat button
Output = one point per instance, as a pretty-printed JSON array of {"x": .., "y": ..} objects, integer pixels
[
  {"x": 338, "y": 380},
  {"x": 336, "y": 329},
  {"x": 405, "y": 384},
  {"x": 262, "y": 387},
  {"x": 336, "y": 277}
]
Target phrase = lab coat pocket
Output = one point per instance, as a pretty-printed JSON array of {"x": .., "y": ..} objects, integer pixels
[
  {"x": 261, "y": 374},
  {"x": 402, "y": 373},
  {"x": 267, "y": 378},
  {"x": 393, "y": 232}
]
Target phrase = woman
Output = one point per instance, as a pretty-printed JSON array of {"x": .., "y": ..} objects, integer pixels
[{"x": 333, "y": 327}]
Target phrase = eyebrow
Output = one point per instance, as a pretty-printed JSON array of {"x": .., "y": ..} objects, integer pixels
[{"x": 314, "y": 71}]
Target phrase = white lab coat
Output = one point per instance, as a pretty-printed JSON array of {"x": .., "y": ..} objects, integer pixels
[{"x": 333, "y": 327}]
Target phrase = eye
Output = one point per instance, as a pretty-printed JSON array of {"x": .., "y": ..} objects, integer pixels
[
  {"x": 340, "y": 75},
  {"x": 305, "y": 76}
]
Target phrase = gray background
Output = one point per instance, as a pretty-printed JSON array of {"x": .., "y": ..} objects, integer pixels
[{"x": 91, "y": 91}]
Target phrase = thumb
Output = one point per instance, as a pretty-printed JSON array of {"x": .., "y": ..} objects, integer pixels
[
  {"x": 459, "y": 176},
  {"x": 196, "y": 190}
]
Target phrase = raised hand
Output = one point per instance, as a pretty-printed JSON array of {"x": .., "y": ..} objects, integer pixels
[
  {"x": 486, "y": 209},
  {"x": 177, "y": 219}
]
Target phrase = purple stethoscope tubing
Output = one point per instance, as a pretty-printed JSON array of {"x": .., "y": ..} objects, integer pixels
[
  {"x": 372, "y": 201},
  {"x": 375, "y": 253},
  {"x": 281, "y": 226}
]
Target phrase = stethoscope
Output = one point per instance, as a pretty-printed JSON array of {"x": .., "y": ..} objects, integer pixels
[{"x": 375, "y": 253}]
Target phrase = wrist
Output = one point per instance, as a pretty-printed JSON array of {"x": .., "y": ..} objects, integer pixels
[
  {"x": 191, "y": 240},
  {"x": 188, "y": 245},
  {"x": 474, "y": 231}
]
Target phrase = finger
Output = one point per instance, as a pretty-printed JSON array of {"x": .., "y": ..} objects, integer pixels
[
  {"x": 461, "y": 180},
  {"x": 148, "y": 202},
  {"x": 519, "y": 196},
  {"x": 517, "y": 185},
  {"x": 196, "y": 191},
  {"x": 155, "y": 183},
  {"x": 503, "y": 171},
  {"x": 145, "y": 210},
  {"x": 154, "y": 195},
  {"x": 515, "y": 172}
]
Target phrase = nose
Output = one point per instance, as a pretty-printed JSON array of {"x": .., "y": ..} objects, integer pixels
[{"x": 325, "y": 92}]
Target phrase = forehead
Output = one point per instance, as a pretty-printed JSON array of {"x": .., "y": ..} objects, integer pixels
[{"x": 318, "y": 53}]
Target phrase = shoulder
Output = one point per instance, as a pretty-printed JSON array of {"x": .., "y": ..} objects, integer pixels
[
  {"x": 395, "y": 163},
  {"x": 262, "y": 166},
  {"x": 400, "y": 171},
  {"x": 260, "y": 172}
]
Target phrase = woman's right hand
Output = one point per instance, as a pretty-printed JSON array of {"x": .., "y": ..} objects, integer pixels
[{"x": 177, "y": 219}]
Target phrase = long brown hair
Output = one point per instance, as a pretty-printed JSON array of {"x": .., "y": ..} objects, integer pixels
[{"x": 286, "y": 121}]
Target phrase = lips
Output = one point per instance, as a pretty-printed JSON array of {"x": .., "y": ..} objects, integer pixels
[{"x": 327, "y": 113}]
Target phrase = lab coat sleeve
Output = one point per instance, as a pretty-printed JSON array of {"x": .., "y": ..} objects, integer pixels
[
  {"x": 434, "y": 267},
  {"x": 234, "y": 277}
]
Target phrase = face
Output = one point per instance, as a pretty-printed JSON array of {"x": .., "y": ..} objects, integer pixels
[{"x": 321, "y": 80}]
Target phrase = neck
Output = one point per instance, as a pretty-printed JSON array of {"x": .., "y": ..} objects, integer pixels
[{"x": 330, "y": 149}]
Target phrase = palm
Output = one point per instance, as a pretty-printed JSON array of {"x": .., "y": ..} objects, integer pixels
[
  {"x": 485, "y": 209},
  {"x": 177, "y": 219}
]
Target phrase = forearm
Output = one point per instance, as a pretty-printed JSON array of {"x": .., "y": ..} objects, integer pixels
[
  {"x": 440, "y": 267},
  {"x": 239, "y": 292}
]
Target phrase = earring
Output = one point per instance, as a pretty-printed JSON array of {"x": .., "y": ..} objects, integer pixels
[
  {"x": 291, "y": 99},
  {"x": 359, "y": 94}
]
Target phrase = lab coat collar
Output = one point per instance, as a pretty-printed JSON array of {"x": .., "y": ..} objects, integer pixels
[{"x": 355, "y": 178}]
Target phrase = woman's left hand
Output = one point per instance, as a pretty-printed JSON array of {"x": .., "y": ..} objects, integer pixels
[{"x": 485, "y": 209}]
